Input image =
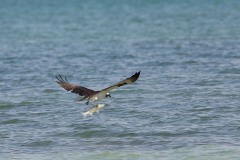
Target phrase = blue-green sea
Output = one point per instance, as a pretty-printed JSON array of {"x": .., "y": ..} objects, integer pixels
[{"x": 184, "y": 106}]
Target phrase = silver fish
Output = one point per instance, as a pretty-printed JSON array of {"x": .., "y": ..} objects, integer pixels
[{"x": 95, "y": 108}]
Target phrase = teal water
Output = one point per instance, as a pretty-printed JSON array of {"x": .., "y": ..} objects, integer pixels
[{"x": 185, "y": 104}]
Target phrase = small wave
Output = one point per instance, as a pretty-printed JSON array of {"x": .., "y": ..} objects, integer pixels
[
  {"x": 39, "y": 143},
  {"x": 92, "y": 134},
  {"x": 157, "y": 63},
  {"x": 10, "y": 105},
  {"x": 13, "y": 121},
  {"x": 230, "y": 71},
  {"x": 49, "y": 91},
  {"x": 25, "y": 103},
  {"x": 6, "y": 105}
]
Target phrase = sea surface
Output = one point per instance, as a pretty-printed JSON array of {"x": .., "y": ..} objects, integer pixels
[{"x": 184, "y": 106}]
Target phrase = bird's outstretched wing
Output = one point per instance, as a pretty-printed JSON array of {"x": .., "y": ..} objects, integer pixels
[
  {"x": 129, "y": 80},
  {"x": 82, "y": 91}
]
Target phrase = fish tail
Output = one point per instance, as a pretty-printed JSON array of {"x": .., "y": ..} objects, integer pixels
[{"x": 85, "y": 114}]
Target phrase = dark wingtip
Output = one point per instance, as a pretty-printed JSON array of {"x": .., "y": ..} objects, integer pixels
[
  {"x": 135, "y": 76},
  {"x": 61, "y": 77},
  {"x": 58, "y": 79},
  {"x": 61, "y": 80},
  {"x": 138, "y": 74},
  {"x": 66, "y": 79}
]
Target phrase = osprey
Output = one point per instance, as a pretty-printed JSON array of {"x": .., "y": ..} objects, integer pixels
[{"x": 89, "y": 94}]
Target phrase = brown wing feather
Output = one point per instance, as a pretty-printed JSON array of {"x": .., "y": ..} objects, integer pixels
[
  {"x": 129, "y": 80},
  {"x": 82, "y": 91}
]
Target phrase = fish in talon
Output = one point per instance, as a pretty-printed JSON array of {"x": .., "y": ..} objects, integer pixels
[{"x": 95, "y": 108}]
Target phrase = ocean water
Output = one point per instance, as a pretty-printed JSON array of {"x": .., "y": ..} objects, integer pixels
[{"x": 185, "y": 105}]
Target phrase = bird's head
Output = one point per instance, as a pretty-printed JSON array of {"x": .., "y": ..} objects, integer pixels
[{"x": 108, "y": 95}]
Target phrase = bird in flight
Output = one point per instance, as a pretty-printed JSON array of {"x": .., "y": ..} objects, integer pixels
[{"x": 89, "y": 94}]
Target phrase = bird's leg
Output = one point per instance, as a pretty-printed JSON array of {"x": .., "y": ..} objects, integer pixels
[
  {"x": 81, "y": 99},
  {"x": 87, "y": 102}
]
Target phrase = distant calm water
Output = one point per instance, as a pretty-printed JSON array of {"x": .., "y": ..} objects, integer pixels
[{"x": 185, "y": 104}]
